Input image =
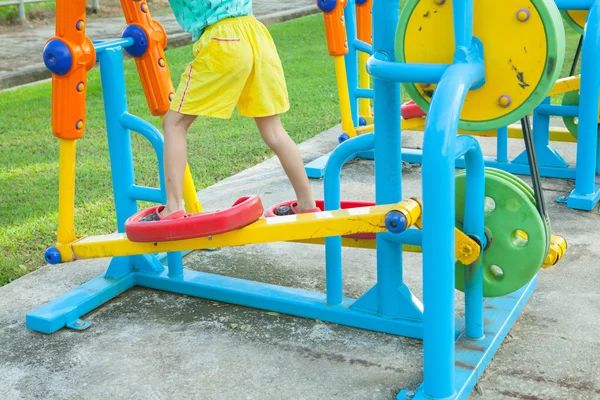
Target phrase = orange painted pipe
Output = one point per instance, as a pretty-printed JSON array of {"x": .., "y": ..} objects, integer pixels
[
  {"x": 69, "y": 55},
  {"x": 152, "y": 64}
]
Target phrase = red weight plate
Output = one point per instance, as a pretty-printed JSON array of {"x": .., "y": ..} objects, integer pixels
[
  {"x": 410, "y": 110},
  {"x": 244, "y": 211}
]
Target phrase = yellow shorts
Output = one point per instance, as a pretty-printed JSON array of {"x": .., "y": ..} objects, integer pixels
[{"x": 236, "y": 64}]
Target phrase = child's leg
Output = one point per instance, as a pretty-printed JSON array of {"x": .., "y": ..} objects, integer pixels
[
  {"x": 286, "y": 150},
  {"x": 175, "y": 126}
]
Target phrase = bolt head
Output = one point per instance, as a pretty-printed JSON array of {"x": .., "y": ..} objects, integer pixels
[
  {"x": 523, "y": 15},
  {"x": 504, "y": 101}
]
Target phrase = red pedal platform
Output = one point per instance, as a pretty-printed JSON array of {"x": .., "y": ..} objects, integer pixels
[
  {"x": 345, "y": 204},
  {"x": 243, "y": 212},
  {"x": 411, "y": 110}
]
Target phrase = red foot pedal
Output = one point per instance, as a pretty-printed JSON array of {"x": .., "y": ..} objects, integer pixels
[
  {"x": 321, "y": 204},
  {"x": 410, "y": 110},
  {"x": 244, "y": 211}
]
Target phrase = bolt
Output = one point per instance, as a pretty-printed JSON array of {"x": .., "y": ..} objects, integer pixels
[
  {"x": 80, "y": 87},
  {"x": 80, "y": 25},
  {"x": 504, "y": 101},
  {"x": 79, "y": 323},
  {"x": 439, "y": 2},
  {"x": 523, "y": 15},
  {"x": 409, "y": 395}
]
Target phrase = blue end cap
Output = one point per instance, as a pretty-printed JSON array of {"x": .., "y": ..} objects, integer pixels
[
  {"x": 343, "y": 137},
  {"x": 360, "y": 2},
  {"x": 395, "y": 222},
  {"x": 326, "y": 5},
  {"x": 140, "y": 40},
  {"x": 58, "y": 57},
  {"x": 52, "y": 255},
  {"x": 362, "y": 122}
]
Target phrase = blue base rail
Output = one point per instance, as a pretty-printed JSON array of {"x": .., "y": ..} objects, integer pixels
[
  {"x": 67, "y": 311},
  {"x": 474, "y": 356}
]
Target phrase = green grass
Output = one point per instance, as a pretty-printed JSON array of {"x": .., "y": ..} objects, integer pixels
[
  {"x": 10, "y": 14},
  {"x": 218, "y": 149}
]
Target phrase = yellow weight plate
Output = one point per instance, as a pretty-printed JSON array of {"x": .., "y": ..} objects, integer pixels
[
  {"x": 524, "y": 46},
  {"x": 576, "y": 19}
]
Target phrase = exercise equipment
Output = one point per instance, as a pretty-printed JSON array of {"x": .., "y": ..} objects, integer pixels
[{"x": 499, "y": 248}]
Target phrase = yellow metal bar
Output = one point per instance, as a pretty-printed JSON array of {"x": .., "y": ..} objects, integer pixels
[
  {"x": 514, "y": 131},
  {"x": 565, "y": 85},
  {"x": 466, "y": 249},
  {"x": 265, "y": 230},
  {"x": 359, "y": 244},
  {"x": 66, "y": 198},
  {"x": 413, "y": 124},
  {"x": 190, "y": 197},
  {"x": 361, "y": 130},
  {"x": 344, "y": 95},
  {"x": 364, "y": 81}
]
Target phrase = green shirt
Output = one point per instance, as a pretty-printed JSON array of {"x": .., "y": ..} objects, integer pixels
[{"x": 195, "y": 15}]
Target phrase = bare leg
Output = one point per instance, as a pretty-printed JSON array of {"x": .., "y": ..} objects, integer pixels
[
  {"x": 275, "y": 136},
  {"x": 175, "y": 126}
]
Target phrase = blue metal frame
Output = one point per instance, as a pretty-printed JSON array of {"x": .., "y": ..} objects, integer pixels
[
  {"x": 456, "y": 350},
  {"x": 586, "y": 194},
  {"x": 147, "y": 270}
]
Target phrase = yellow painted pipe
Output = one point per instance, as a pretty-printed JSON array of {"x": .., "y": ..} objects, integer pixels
[
  {"x": 66, "y": 198},
  {"x": 364, "y": 81},
  {"x": 344, "y": 96},
  {"x": 565, "y": 85},
  {"x": 190, "y": 197}
]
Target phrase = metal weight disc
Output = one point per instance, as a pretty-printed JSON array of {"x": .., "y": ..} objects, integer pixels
[
  {"x": 517, "y": 240},
  {"x": 571, "y": 99},
  {"x": 523, "y": 45},
  {"x": 576, "y": 19},
  {"x": 528, "y": 190}
]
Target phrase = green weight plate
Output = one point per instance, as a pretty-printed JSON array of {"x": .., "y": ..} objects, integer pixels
[
  {"x": 571, "y": 99},
  {"x": 526, "y": 189},
  {"x": 514, "y": 180},
  {"x": 511, "y": 178},
  {"x": 509, "y": 262}
]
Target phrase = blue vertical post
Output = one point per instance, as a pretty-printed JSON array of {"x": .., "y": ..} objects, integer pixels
[
  {"x": 439, "y": 210},
  {"x": 502, "y": 144},
  {"x": 112, "y": 75},
  {"x": 473, "y": 225},
  {"x": 438, "y": 227},
  {"x": 388, "y": 156},
  {"x": 351, "y": 59},
  {"x": 331, "y": 183},
  {"x": 587, "y": 143}
]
